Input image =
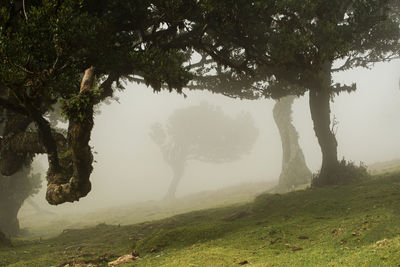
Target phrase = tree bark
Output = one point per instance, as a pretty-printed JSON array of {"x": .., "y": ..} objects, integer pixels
[
  {"x": 320, "y": 114},
  {"x": 294, "y": 168},
  {"x": 178, "y": 170}
]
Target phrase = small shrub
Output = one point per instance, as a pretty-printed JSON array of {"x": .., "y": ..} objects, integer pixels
[{"x": 345, "y": 173}]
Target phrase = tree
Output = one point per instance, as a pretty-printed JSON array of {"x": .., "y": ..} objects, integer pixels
[
  {"x": 45, "y": 46},
  {"x": 204, "y": 133},
  {"x": 291, "y": 46},
  {"x": 294, "y": 168}
]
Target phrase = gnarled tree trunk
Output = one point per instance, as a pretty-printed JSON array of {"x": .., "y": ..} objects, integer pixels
[
  {"x": 70, "y": 159},
  {"x": 320, "y": 114},
  {"x": 294, "y": 168}
]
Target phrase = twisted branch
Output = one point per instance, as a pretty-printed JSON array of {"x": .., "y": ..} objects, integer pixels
[{"x": 70, "y": 164}]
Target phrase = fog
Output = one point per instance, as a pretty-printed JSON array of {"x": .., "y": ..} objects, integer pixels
[{"x": 130, "y": 168}]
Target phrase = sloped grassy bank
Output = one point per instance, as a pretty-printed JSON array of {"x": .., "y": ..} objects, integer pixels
[{"x": 351, "y": 225}]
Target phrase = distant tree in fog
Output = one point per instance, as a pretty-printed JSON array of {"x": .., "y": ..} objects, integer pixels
[
  {"x": 22, "y": 183},
  {"x": 204, "y": 133},
  {"x": 14, "y": 190}
]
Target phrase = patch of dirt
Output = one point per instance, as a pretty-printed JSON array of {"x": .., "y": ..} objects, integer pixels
[{"x": 100, "y": 261}]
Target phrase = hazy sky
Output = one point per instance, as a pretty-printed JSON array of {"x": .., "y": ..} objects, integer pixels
[{"x": 130, "y": 167}]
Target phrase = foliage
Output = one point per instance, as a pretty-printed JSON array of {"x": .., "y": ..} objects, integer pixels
[
  {"x": 287, "y": 43},
  {"x": 160, "y": 65},
  {"x": 43, "y": 56},
  {"x": 76, "y": 107}
]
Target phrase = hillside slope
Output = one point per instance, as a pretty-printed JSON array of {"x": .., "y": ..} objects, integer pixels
[{"x": 352, "y": 225}]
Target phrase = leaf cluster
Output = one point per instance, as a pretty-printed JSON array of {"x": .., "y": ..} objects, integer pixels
[{"x": 78, "y": 107}]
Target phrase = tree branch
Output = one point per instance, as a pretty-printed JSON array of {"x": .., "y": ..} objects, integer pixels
[
  {"x": 23, "y": 7},
  {"x": 107, "y": 87}
]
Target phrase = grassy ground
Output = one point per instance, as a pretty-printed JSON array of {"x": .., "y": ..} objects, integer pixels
[{"x": 352, "y": 225}]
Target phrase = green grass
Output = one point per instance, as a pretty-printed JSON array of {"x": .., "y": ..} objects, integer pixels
[{"x": 351, "y": 225}]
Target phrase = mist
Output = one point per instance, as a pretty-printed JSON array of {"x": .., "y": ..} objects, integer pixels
[{"x": 129, "y": 167}]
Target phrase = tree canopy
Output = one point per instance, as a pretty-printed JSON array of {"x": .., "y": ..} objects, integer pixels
[{"x": 289, "y": 42}]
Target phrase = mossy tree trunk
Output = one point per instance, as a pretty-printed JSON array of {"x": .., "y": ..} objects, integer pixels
[{"x": 294, "y": 168}]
